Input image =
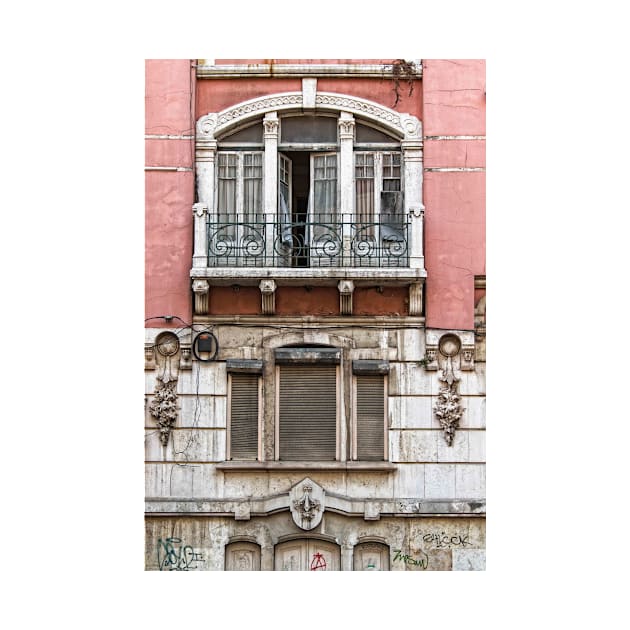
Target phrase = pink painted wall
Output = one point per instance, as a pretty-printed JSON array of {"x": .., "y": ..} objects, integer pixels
[
  {"x": 454, "y": 104},
  {"x": 169, "y": 195}
]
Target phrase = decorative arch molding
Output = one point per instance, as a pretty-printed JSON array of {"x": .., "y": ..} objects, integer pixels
[
  {"x": 213, "y": 125},
  {"x": 307, "y": 337}
]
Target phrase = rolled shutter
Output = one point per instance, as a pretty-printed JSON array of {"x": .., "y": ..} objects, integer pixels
[
  {"x": 244, "y": 416},
  {"x": 370, "y": 407},
  {"x": 308, "y": 412}
]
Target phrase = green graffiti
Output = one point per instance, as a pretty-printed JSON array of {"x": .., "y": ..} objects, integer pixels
[{"x": 423, "y": 563}]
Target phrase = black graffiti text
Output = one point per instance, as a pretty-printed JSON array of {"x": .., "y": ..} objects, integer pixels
[
  {"x": 174, "y": 556},
  {"x": 444, "y": 540}
]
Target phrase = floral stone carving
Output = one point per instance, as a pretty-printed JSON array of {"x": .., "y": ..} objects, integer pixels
[
  {"x": 307, "y": 504},
  {"x": 163, "y": 407},
  {"x": 447, "y": 408}
]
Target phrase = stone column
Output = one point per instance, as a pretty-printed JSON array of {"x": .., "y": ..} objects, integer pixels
[
  {"x": 346, "y": 556},
  {"x": 266, "y": 558},
  {"x": 270, "y": 180},
  {"x": 346, "y": 176},
  {"x": 414, "y": 208}
]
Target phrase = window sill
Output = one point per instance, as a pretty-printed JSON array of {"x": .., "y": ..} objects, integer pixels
[{"x": 234, "y": 466}]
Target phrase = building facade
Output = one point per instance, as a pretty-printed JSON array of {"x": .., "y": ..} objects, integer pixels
[{"x": 315, "y": 315}]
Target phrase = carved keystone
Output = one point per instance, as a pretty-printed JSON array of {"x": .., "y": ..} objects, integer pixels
[{"x": 306, "y": 501}]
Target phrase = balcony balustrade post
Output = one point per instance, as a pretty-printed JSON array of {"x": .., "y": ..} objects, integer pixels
[{"x": 271, "y": 126}]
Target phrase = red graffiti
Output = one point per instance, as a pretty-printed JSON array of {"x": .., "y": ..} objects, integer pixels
[{"x": 318, "y": 563}]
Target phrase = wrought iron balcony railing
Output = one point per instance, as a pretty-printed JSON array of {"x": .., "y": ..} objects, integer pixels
[{"x": 321, "y": 241}]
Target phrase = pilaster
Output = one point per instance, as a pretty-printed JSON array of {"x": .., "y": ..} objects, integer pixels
[{"x": 200, "y": 245}]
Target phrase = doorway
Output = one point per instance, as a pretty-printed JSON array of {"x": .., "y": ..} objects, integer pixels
[{"x": 307, "y": 554}]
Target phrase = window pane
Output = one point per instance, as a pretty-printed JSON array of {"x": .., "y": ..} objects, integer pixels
[{"x": 309, "y": 129}]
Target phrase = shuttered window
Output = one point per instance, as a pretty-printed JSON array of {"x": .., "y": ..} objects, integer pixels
[
  {"x": 244, "y": 416},
  {"x": 370, "y": 417},
  {"x": 307, "y": 407}
]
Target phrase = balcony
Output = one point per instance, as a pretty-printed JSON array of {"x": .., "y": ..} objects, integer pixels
[
  {"x": 334, "y": 249},
  {"x": 322, "y": 242}
]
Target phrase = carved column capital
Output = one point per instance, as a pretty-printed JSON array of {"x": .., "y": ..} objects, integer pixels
[
  {"x": 271, "y": 124},
  {"x": 200, "y": 209},
  {"x": 346, "y": 125}
]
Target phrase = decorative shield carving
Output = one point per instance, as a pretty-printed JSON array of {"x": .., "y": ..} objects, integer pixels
[{"x": 306, "y": 500}]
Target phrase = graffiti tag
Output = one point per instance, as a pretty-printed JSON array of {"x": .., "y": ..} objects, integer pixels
[
  {"x": 174, "y": 556},
  {"x": 318, "y": 563},
  {"x": 423, "y": 563},
  {"x": 444, "y": 540}
]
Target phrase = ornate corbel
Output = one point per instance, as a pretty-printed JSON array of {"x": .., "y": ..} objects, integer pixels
[
  {"x": 415, "y": 298},
  {"x": 201, "y": 289},
  {"x": 268, "y": 294},
  {"x": 346, "y": 289}
]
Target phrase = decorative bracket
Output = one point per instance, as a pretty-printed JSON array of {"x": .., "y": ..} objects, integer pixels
[
  {"x": 268, "y": 292},
  {"x": 415, "y": 298},
  {"x": 346, "y": 289},
  {"x": 201, "y": 289}
]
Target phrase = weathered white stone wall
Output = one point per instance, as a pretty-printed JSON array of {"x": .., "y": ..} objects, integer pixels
[
  {"x": 427, "y": 544},
  {"x": 427, "y": 469}
]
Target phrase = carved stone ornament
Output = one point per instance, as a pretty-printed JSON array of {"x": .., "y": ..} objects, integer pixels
[
  {"x": 163, "y": 407},
  {"x": 306, "y": 501},
  {"x": 447, "y": 408}
]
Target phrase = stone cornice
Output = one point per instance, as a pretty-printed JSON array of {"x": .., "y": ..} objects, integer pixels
[
  {"x": 330, "y": 70},
  {"x": 264, "y": 506}
]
